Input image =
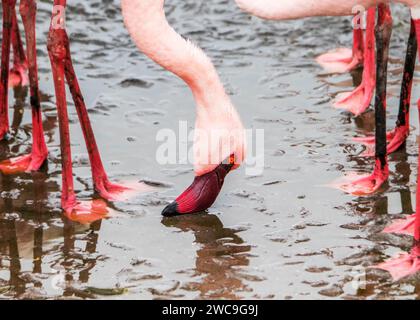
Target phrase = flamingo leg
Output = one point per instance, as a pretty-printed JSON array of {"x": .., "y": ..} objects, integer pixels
[
  {"x": 106, "y": 189},
  {"x": 102, "y": 184},
  {"x": 18, "y": 73},
  {"x": 406, "y": 264},
  {"x": 360, "y": 98},
  {"x": 8, "y": 7},
  {"x": 365, "y": 185},
  {"x": 59, "y": 52},
  {"x": 57, "y": 46},
  {"x": 38, "y": 156},
  {"x": 397, "y": 137}
]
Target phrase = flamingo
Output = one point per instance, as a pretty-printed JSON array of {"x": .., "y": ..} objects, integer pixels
[
  {"x": 407, "y": 263},
  {"x": 219, "y": 145},
  {"x": 62, "y": 67}
]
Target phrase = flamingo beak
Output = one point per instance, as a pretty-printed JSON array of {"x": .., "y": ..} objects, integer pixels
[{"x": 201, "y": 194}]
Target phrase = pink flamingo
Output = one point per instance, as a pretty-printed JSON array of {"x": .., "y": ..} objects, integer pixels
[
  {"x": 277, "y": 10},
  {"x": 405, "y": 264},
  {"x": 218, "y": 123},
  {"x": 59, "y": 53}
]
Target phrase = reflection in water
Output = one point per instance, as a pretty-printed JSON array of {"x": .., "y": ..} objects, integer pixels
[
  {"x": 130, "y": 99},
  {"x": 20, "y": 94},
  {"x": 22, "y": 240},
  {"x": 76, "y": 260},
  {"x": 376, "y": 215},
  {"x": 221, "y": 252}
]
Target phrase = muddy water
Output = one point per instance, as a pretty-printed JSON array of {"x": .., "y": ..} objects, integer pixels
[{"x": 281, "y": 234}]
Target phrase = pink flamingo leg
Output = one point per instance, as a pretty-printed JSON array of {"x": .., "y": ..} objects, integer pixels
[
  {"x": 363, "y": 185},
  {"x": 369, "y": 184},
  {"x": 397, "y": 137},
  {"x": 57, "y": 44},
  {"x": 406, "y": 264},
  {"x": 59, "y": 52},
  {"x": 102, "y": 184},
  {"x": 344, "y": 60},
  {"x": 395, "y": 140},
  {"x": 8, "y": 6},
  {"x": 359, "y": 100},
  {"x": 19, "y": 73},
  {"x": 38, "y": 156}
]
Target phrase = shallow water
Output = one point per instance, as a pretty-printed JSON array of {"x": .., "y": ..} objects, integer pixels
[{"x": 281, "y": 234}]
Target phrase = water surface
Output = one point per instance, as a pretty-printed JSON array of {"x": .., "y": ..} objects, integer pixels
[{"x": 279, "y": 235}]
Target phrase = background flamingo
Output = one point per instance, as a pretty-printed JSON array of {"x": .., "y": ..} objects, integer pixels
[
  {"x": 283, "y": 10},
  {"x": 301, "y": 9}
]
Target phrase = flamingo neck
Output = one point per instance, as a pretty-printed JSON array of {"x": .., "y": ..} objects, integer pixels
[{"x": 147, "y": 24}]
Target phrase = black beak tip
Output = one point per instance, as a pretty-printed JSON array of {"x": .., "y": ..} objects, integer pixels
[
  {"x": 7, "y": 137},
  {"x": 171, "y": 210}
]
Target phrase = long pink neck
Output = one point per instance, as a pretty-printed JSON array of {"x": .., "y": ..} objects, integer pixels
[{"x": 147, "y": 24}]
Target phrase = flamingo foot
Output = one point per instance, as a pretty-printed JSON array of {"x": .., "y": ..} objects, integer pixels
[
  {"x": 402, "y": 226},
  {"x": 363, "y": 185},
  {"x": 26, "y": 163},
  {"x": 121, "y": 192},
  {"x": 18, "y": 76},
  {"x": 201, "y": 194},
  {"x": 340, "y": 60},
  {"x": 401, "y": 266},
  {"x": 86, "y": 212},
  {"x": 395, "y": 139},
  {"x": 356, "y": 101}
]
